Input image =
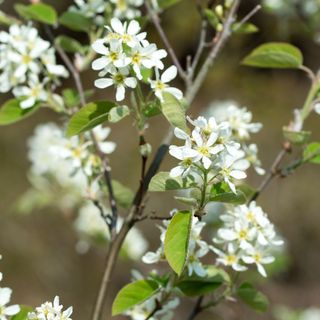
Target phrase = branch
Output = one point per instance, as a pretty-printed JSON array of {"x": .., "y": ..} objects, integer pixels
[
  {"x": 156, "y": 21},
  {"x": 249, "y": 16},
  {"x": 221, "y": 39}
]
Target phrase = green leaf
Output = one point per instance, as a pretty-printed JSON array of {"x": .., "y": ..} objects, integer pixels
[
  {"x": 174, "y": 111},
  {"x": 245, "y": 28},
  {"x": 152, "y": 109},
  {"x": 177, "y": 240},
  {"x": 253, "y": 298},
  {"x": 212, "y": 18},
  {"x": 70, "y": 97},
  {"x": 11, "y": 112},
  {"x": 312, "y": 153},
  {"x": 133, "y": 294},
  {"x": 90, "y": 116},
  {"x": 118, "y": 113},
  {"x": 163, "y": 182},
  {"x": 188, "y": 201},
  {"x": 68, "y": 44},
  {"x": 38, "y": 11},
  {"x": 165, "y": 4},
  {"x": 213, "y": 271},
  {"x": 75, "y": 21},
  {"x": 221, "y": 192},
  {"x": 275, "y": 55},
  {"x": 124, "y": 196},
  {"x": 23, "y": 314},
  {"x": 296, "y": 137},
  {"x": 7, "y": 20},
  {"x": 198, "y": 286}
]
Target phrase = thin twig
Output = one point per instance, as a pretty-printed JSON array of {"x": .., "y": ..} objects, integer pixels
[
  {"x": 196, "y": 309},
  {"x": 249, "y": 16},
  {"x": 220, "y": 42},
  {"x": 156, "y": 21}
]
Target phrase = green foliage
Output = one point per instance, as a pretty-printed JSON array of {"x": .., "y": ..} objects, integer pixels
[
  {"x": 37, "y": 11},
  {"x": 69, "y": 44},
  {"x": 212, "y": 18},
  {"x": 312, "y": 153},
  {"x": 177, "y": 240},
  {"x": 133, "y": 294},
  {"x": 165, "y": 4},
  {"x": 275, "y": 55},
  {"x": 173, "y": 110},
  {"x": 221, "y": 192},
  {"x": 124, "y": 196},
  {"x": 296, "y": 137},
  {"x": 90, "y": 116},
  {"x": 118, "y": 113},
  {"x": 253, "y": 298},
  {"x": 198, "y": 286},
  {"x": 75, "y": 21},
  {"x": 6, "y": 19},
  {"x": 11, "y": 112},
  {"x": 152, "y": 109},
  {"x": 23, "y": 314},
  {"x": 163, "y": 182},
  {"x": 244, "y": 28}
]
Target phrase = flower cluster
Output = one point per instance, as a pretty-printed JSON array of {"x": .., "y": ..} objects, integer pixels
[
  {"x": 126, "y": 57},
  {"x": 247, "y": 237},
  {"x": 241, "y": 125},
  {"x": 51, "y": 311},
  {"x": 68, "y": 161},
  {"x": 6, "y": 312},
  {"x": 122, "y": 9},
  {"x": 309, "y": 7},
  {"x": 92, "y": 226},
  {"x": 197, "y": 249},
  {"x": 28, "y": 66},
  {"x": 210, "y": 149},
  {"x": 142, "y": 311}
]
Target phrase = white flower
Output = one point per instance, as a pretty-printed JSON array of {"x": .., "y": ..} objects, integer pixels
[
  {"x": 32, "y": 93},
  {"x": 101, "y": 134},
  {"x": 7, "y": 311},
  {"x": 230, "y": 259},
  {"x": 51, "y": 311},
  {"x": 125, "y": 33},
  {"x": 127, "y": 9},
  {"x": 119, "y": 78},
  {"x": 146, "y": 56},
  {"x": 160, "y": 85},
  {"x": 230, "y": 169},
  {"x": 259, "y": 258},
  {"x": 89, "y": 8},
  {"x": 251, "y": 152},
  {"x": 113, "y": 56}
]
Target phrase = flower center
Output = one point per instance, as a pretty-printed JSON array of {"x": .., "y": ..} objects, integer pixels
[
  {"x": 113, "y": 56},
  {"x": 243, "y": 234},
  {"x": 160, "y": 85},
  {"x": 257, "y": 257},
  {"x": 187, "y": 162},
  {"x": 126, "y": 38},
  {"x": 231, "y": 259},
  {"x": 35, "y": 91},
  {"x": 26, "y": 59},
  {"x": 122, "y": 5},
  {"x": 204, "y": 150},
  {"x": 136, "y": 58},
  {"x": 118, "y": 78}
]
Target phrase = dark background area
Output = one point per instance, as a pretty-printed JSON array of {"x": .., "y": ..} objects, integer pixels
[{"x": 39, "y": 257}]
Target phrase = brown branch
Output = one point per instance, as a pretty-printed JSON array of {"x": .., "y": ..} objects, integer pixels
[{"x": 156, "y": 21}]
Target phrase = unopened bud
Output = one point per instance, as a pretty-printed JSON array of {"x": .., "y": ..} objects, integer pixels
[
  {"x": 145, "y": 150},
  {"x": 228, "y": 3},
  {"x": 219, "y": 10},
  {"x": 219, "y": 27}
]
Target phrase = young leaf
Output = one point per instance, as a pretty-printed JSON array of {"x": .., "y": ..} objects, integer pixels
[
  {"x": 11, "y": 112},
  {"x": 221, "y": 193},
  {"x": 90, "y": 116},
  {"x": 118, "y": 113},
  {"x": 253, "y": 298},
  {"x": 75, "y": 21},
  {"x": 68, "y": 44},
  {"x": 38, "y": 11},
  {"x": 177, "y": 240},
  {"x": 198, "y": 286},
  {"x": 23, "y": 314},
  {"x": 124, "y": 196},
  {"x": 296, "y": 137},
  {"x": 133, "y": 294},
  {"x": 312, "y": 153},
  {"x": 212, "y": 17},
  {"x": 174, "y": 111},
  {"x": 163, "y": 182},
  {"x": 275, "y": 55},
  {"x": 245, "y": 28}
]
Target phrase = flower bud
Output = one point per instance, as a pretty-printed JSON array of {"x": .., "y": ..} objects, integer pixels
[
  {"x": 145, "y": 149},
  {"x": 219, "y": 10}
]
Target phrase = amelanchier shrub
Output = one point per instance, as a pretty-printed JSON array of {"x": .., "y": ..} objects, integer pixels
[{"x": 70, "y": 160}]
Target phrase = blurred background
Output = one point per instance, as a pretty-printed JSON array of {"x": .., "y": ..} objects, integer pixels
[{"x": 39, "y": 249}]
